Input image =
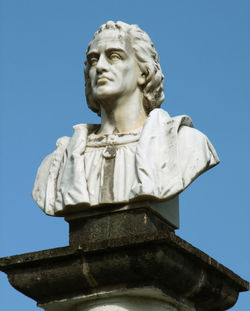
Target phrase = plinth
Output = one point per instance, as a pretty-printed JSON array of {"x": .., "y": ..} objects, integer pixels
[{"x": 128, "y": 260}]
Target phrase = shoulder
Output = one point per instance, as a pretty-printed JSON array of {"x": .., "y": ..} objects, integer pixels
[
  {"x": 194, "y": 140},
  {"x": 190, "y": 135},
  {"x": 62, "y": 142},
  {"x": 160, "y": 117},
  {"x": 196, "y": 153}
]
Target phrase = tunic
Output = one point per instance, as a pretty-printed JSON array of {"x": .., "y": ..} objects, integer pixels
[
  {"x": 156, "y": 162},
  {"x": 110, "y": 166}
]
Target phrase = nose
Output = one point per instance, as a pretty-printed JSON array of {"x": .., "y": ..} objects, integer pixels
[{"x": 102, "y": 64}]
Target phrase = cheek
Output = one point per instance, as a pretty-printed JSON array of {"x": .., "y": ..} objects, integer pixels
[
  {"x": 129, "y": 71},
  {"x": 92, "y": 77},
  {"x": 92, "y": 70},
  {"x": 126, "y": 69},
  {"x": 120, "y": 68}
]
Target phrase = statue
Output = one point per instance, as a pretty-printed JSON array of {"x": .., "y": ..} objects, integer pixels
[{"x": 138, "y": 152}]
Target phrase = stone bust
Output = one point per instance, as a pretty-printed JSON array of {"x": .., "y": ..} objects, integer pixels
[{"x": 138, "y": 151}]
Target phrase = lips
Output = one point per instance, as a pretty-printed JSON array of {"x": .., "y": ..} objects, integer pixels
[{"x": 102, "y": 80}]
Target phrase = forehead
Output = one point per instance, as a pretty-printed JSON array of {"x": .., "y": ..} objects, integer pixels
[{"x": 110, "y": 38}]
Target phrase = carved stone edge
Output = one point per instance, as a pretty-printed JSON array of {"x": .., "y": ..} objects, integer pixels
[
  {"x": 162, "y": 260},
  {"x": 148, "y": 295}
]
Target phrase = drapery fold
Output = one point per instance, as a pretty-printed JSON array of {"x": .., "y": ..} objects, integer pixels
[{"x": 158, "y": 161}]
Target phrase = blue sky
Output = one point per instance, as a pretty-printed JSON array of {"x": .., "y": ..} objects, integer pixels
[{"x": 204, "y": 50}]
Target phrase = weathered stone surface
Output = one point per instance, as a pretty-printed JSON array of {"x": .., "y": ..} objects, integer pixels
[
  {"x": 161, "y": 259},
  {"x": 136, "y": 299},
  {"x": 123, "y": 224}
]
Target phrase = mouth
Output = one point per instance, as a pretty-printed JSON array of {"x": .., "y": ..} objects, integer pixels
[{"x": 102, "y": 80}]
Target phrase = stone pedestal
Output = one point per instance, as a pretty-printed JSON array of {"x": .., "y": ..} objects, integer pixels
[
  {"x": 130, "y": 260},
  {"x": 137, "y": 299}
]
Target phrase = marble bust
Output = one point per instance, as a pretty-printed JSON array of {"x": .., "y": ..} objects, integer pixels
[{"x": 138, "y": 151}]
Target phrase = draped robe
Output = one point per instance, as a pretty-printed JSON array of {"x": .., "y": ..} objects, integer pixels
[{"x": 156, "y": 162}]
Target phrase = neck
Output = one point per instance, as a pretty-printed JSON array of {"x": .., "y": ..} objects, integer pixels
[{"x": 122, "y": 115}]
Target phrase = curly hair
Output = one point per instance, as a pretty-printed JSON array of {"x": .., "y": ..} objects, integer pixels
[{"x": 148, "y": 62}]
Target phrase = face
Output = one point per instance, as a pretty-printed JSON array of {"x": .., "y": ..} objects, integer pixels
[{"x": 113, "y": 71}]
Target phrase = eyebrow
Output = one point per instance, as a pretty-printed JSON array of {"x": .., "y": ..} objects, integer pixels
[
  {"x": 93, "y": 53},
  {"x": 109, "y": 50},
  {"x": 116, "y": 50}
]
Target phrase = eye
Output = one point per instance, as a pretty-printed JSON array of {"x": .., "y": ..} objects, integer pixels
[
  {"x": 93, "y": 60},
  {"x": 114, "y": 56}
]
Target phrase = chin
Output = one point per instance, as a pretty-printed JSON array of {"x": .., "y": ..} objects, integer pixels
[{"x": 104, "y": 94}]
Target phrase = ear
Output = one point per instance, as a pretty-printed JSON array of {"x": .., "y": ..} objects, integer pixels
[{"x": 142, "y": 79}]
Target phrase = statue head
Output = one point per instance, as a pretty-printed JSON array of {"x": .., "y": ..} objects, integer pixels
[{"x": 146, "y": 58}]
